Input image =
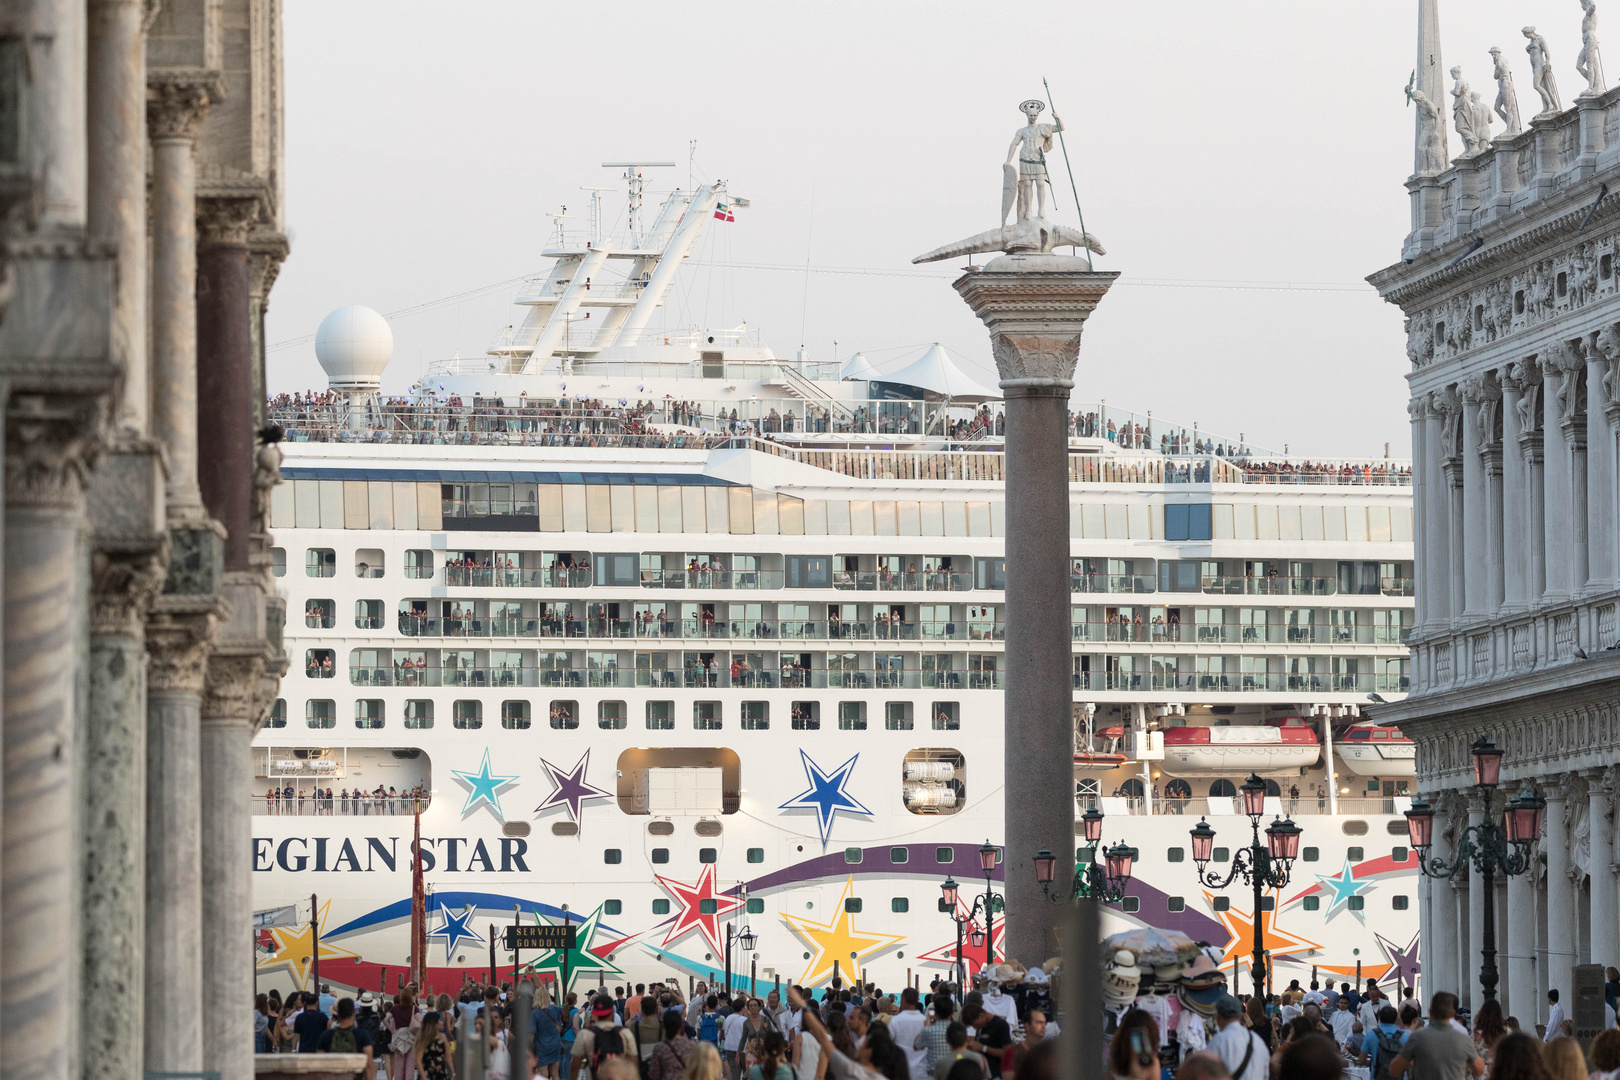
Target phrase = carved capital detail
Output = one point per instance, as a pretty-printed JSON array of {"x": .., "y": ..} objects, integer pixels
[
  {"x": 266, "y": 252},
  {"x": 1031, "y": 356},
  {"x": 49, "y": 452},
  {"x": 177, "y": 647},
  {"x": 227, "y": 219},
  {"x": 123, "y": 585},
  {"x": 176, "y": 106},
  {"x": 231, "y": 688}
]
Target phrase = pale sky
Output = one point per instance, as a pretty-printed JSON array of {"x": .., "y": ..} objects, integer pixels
[{"x": 1216, "y": 145}]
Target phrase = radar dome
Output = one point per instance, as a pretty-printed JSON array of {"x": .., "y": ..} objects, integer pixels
[{"x": 354, "y": 345}]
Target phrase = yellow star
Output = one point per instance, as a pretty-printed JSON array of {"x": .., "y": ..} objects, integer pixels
[
  {"x": 1241, "y": 926},
  {"x": 295, "y": 948},
  {"x": 837, "y": 940}
]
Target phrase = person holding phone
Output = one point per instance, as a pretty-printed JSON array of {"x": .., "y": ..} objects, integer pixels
[{"x": 1134, "y": 1053}]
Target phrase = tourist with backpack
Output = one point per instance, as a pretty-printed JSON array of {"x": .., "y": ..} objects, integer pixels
[
  {"x": 344, "y": 1036},
  {"x": 708, "y": 1022},
  {"x": 1382, "y": 1044},
  {"x": 601, "y": 1040},
  {"x": 648, "y": 1029}
]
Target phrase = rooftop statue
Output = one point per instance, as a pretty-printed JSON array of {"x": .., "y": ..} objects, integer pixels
[
  {"x": 1589, "y": 63},
  {"x": 1431, "y": 145},
  {"x": 1541, "y": 73},
  {"x": 1507, "y": 101},
  {"x": 1027, "y": 184},
  {"x": 1464, "y": 117}
]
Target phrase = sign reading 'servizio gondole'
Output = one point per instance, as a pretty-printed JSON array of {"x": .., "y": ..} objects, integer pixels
[{"x": 540, "y": 937}]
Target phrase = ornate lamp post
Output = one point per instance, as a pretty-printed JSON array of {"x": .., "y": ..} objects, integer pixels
[
  {"x": 1487, "y": 845},
  {"x": 989, "y": 903},
  {"x": 1264, "y": 866},
  {"x": 1090, "y": 882},
  {"x": 747, "y": 939}
]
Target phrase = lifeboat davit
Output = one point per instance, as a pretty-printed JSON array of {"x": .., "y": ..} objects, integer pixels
[
  {"x": 1233, "y": 751},
  {"x": 1377, "y": 750},
  {"x": 1089, "y": 757}
]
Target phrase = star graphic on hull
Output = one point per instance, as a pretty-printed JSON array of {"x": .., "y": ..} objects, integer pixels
[
  {"x": 1403, "y": 962},
  {"x": 580, "y": 958},
  {"x": 1342, "y": 885},
  {"x": 972, "y": 959},
  {"x": 692, "y": 916},
  {"x": 1240, "y": 925},
  {"x": 569, "y": 789},
  {"x": 837, "y": 940},
  {"x": 294, "y": 948},
  {"x": 484, "y": 789},
  {"x": 455, "y": 928},
  {"x": 826, "y": 794}
]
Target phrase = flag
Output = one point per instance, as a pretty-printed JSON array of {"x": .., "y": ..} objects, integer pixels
[
  {"x": 723, "y": 212},
  {"x": 281, "y": 916},
  {"x": 418, "y": 911}
]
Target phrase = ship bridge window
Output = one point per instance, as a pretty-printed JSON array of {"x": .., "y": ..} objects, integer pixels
[
  {"x": 1188, "y": 522},
  {"x": 564, "y": 715},
  {"x": 806, "y": 716},
  {"x": 660, "y": 716},
  {"x": 947, "y": 715},
  {"x": 278, "y": 561},
  {"x": 368, "y": 563},
  {"x": 418, "y": 564},
  {"x": 679, "y": 781},
  {"x": 319, "y": 663},
  {"x": 515, "y": 715},
  {"x": 611, "y": 715},
  {"x": 320, "y": 713},
  {"x": 934, "y": 781},
  {"x": 278, "y": 714},
  {"x": 368, "y": 714},
  {"x": 419, "y": 714},
  {"x": 852, "y": 716},
  {"x": 467, "y": 715},
  {"x": 320, "y": 562},
  {"x": 320, "y": 614}
]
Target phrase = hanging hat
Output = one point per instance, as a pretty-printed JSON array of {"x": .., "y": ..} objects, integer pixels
[{"x": 1120, "y": 979}]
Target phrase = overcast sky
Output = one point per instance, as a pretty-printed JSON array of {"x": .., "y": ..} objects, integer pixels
[{"x": 1215, "y": 147}]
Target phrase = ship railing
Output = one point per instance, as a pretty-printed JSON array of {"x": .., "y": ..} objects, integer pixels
[
  {"x": 1308, "y": 804},
  {"x": 902, "y": 581},
  {"x": 487, "y": 577},
  {"x": 652, "y": 628},
  {"x": 355, "y": 805},
  {"x": 1240, "y": 682},
  {"x": 474, "y": 677},
  {"x": 1238, "y": 634},
  {"x": 1088, "y": 582}
]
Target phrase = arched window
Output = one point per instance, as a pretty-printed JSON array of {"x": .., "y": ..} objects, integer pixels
[
  {"x": 1272, "y": 790},
  {"x": 1223, "y": 789},
  {"x": 1132, "y": 788}
]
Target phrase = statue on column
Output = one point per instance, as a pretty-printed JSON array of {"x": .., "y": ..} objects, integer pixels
[
  {"x": 1482, "y": 119},
  {"x": 1507, "y": 101},
  {"x": 1431, "y": 147},
  {"x": 1589, "y": 63},
  {"x": 1462, "y": 114},
  {"x": 1029, "y": 180},
  {"x": 1541, "y": 73}
]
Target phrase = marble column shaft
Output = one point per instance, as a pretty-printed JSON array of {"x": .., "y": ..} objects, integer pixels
[
  {"x": 1436, "y": 575},
  {"x": 1473, "y": 553},
  {"x": 1518, "y": 948},
  {"x": 41, "y": 822},
  {"x": 1442, "y": 919},
  {"x": 1475, "y": 922},
  {"x": 225, "y": 371},
  {"x": 175, "y": 113},
  {"x": 227, "y": 870},
  {"x": 1559, "y": 492},
  {"x": 1605, "y": 901},
  {"x": 1580, "y": 566},
  {"x": 1560, "y": 901},
  {"x": 1515, "y": 504},
  {"x": 1417, "y": 410},
  {"x": 1602, "y": 573}
]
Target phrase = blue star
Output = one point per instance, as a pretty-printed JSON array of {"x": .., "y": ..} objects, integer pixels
[
  {"x": 483, "y": 788},
  {"x": 1343, "y": 886},
  {"x": 454, "y": 928},
  {"x": 826, "y": 794}
]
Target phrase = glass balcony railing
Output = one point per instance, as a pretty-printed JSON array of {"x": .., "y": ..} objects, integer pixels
[{"x": 1242, "y": 682}]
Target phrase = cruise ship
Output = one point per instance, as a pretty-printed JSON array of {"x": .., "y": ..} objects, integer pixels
[{"x": 698, "y": 649}]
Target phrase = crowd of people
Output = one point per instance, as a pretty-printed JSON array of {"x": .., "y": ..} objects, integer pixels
[{"x": 322, "y": 802}]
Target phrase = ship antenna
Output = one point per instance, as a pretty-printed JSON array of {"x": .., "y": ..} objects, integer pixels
[{"x": 1070, "y": 171}]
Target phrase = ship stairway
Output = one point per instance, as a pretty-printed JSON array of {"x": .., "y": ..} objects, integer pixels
[{"x": 805, "y": 390}]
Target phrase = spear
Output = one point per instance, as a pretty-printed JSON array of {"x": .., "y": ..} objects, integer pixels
[{"x": 1070, "y": 171}]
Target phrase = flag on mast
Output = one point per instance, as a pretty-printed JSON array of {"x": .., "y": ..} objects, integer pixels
[
  {"x": 418, "y": 911},
  {"x": 723, "y": 212}
]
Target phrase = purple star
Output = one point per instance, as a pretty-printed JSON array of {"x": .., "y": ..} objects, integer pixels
[
  {"x": 1405, "y": 961},
  {"x": 570, "y": 788}
]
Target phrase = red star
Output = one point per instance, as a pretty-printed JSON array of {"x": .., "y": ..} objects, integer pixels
[
  {"x": 973, "y": 959},
  {"x": 692, "y": 916}
]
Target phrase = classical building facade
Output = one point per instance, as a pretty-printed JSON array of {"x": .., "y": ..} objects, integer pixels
[
  {"x": 1510, "y": 281},
  {"x": 140, "y": 174}
]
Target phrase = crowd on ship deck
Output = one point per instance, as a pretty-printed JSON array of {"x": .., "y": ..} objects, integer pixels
[{"x": 322, "y": 802}]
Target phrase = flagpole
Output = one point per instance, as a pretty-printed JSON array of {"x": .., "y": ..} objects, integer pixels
[{"x": 1070, "y": 171}]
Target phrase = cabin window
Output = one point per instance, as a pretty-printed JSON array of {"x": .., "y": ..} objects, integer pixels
[
  {"x": 1175, "y": 854},
  {"x": 947, "y": 715},
  {"x": 419, "y": 715},
  {"x": 1221, "y": 855},
  {"x": 564, "y": 715},
  {"x": 708, "y": 854},
  {"x": 944, "y": 855},
  {"x": 660, "y": 855},
  {"x": 1397, "y": 854},
  {"x": 1354, "y": 854},
  {"x": 278, "y": 561},
  {"x": 613, "y": 907},
  {"x": 467, "y": 715},
  {"x": 852, "y": 716},
  {"x": 899, "y": 905},
  {"x": 368, "y": 714},
  {"x": 515, "y": 715},
  {"x": 853, "y": 855},
  {"x": 1313, "y": 903},
  {"x": 756, "y": 854},
  {"x": 1399, "y": 903},
  {"x": 852, "y": 904},
  {"x": 320, "y": 713},
  {"x": 368, "y": 563},
  {"x": 756, "y": 906},
  {"x": 1310, "y": 854},
  {"x": 1131, "y": 904},
  {"x": 611, "y": 715},
  {"x": 1224, "y": 904},
  {"x": 1354, "y": 903},
  {"x": 660, "y": 716},
  {"x": 278, "y": 714},
  {"x": 418, "y": 564},
  {"x": 899, "y": 854},
  {"x": 756, "y": 715},
  {"x": 320, "y": 615},
  {"x": 897, "y": 716},
  {"x": 706, "y": 715},
  {"x": 1176, "y": 903},
  {"x": 320, "y": 562},
  {"x": 660, "y": 907}
]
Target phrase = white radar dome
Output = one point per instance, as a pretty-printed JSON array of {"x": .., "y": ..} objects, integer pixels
[{"x": 354, "y": 345}]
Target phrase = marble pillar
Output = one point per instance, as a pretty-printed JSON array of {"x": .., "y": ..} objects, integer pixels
[
  {"x": 1417, "y": 410},
  {"x": 1515, "y": 500},
  {"x": 1466, "y": 975},
  {"x": 1532, "y": 450},
  {"x": 1580, "y": 567},
  {"x": 178, "y": 640},
  {"x": 1561, "y": 935},
  {"x": 47, "y": 446},
  {"x": 1558, "y": 518},
  {"x": 1603, "y": 575},
  {"x": 1472, "y": 554},
  {"x": 1474, "y": 924},
  {"x": 175, "y": 111},
  {"x": 1518, "y": 948},
  {"x": 1605, "y": 900},
  {"x": 117, "y": 170},
  {"x": 1436, "y": 572},
  {"x": 1035, "y": 307},
  {"x": 1443, "y": 917}
]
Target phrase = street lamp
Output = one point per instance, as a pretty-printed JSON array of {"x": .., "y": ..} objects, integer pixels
[
  {"x": 1264, "y": 866},
  {"x": 1090, "y": 881},
  {"x": 1489, "y": 846},
  {"x": 989, "y": 903},
  {"x": 744, "y": 937}
]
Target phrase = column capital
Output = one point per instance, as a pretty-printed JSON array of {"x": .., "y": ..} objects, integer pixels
[
  {"x": 178, "y": 640},
  {"x": 1522, "y": 374},
  {"x": 231, "y": 689},
  {"x": 266, "y": 252},
  {"x": 50, "y": 448},
  {"x": 229, "y": 217},
  {"x": 1472, "y": 390},
  {"x": 177, "y": 103},
  {"x": 123, "y": 584},
  {"x": 1554, "y": 788},
  {"x": 1035, "y": 310}
]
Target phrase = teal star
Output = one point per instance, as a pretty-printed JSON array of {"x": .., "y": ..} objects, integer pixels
[
  {"x": 1343, "y": 885},
  {"x": 484, "y": 788},
  {"x": 580, "y": 957}
]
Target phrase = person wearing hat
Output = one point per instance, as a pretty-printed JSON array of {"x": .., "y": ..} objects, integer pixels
[
  {"x": 603, "y": 1026},
  {"x": 1242, "y": 1051}
]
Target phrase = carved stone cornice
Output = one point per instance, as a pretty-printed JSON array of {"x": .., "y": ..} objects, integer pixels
[
  {"x": 1472, "y": 390},
  {"x": 266, "y": 251},
  {"x": 228, "y": 218},
  {"x": 123, "y": 584},
  {"x": 178, "y": 641},
  {"x": 50, "y": 448},
  {"x": 177, "y": 103}
]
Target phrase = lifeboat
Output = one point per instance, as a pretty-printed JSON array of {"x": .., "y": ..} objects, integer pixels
[
  {"x": 1088, "y": 757},
  {"x": 1377, "y": 750},
  {"x": 1230, "y": 751}
]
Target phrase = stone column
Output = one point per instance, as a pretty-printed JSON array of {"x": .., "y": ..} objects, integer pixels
[
  {"x": 267, "y": 251},
  {"x": 47, "y": 446},
  {"x": 1558, "y": 521},
  {"x": 178, "y": 638},
  {"x": 1443, "y": 950},
  {"x": 1605, "y": 901},
  {"x": 123, "y": 581},
  {"x": 1472, "y": 555},
  {"x": 176, "y": 107},
  {"x": 1561, "y": 930},
  {"x": 1436, "y": 523},
  {"x": 1474, "y": 924},
  {"x": 117, "y": 207},
  {"x": 1518, "y": 947},
  {"x": 1603, "y": 575},
  {"x": 1490, "y": 459},
  {"x": 1417, "y": 410},
  {"x": 1467, "y": 955},
  {"x": 1532, "y": 442},
  {"x": 1515, "y": 500},
  {"x": 1035, "y": 307},
  {"x": 224, "y": 418}
]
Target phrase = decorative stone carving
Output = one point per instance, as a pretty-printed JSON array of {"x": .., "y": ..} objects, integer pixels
[
  {"x": 1589, "y": 63},
  {"x": 1022, "y": 356},
  {"x": 49, "y": 451},
  {"x": 1029, "y": 180},
  {"x": 1507, "y": 101},
  {"x": 231, "y": 688},
  {"x": 228, "y": 219},
  {"x": 1562, "y": 359},
  {"x": 1462, "y": 115},
  {"x": 1431, "y": 134},
  {"x": 1482, "y": 123},
  {"x": 1541, "y": 73},
  {"x": 123, "y": 585},
  {"x": 1448, "y": 407},
  {"x": 176, "y": 106},
  {"x": 267, "y": 474},
  {"x": 177, "y": 646}
]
